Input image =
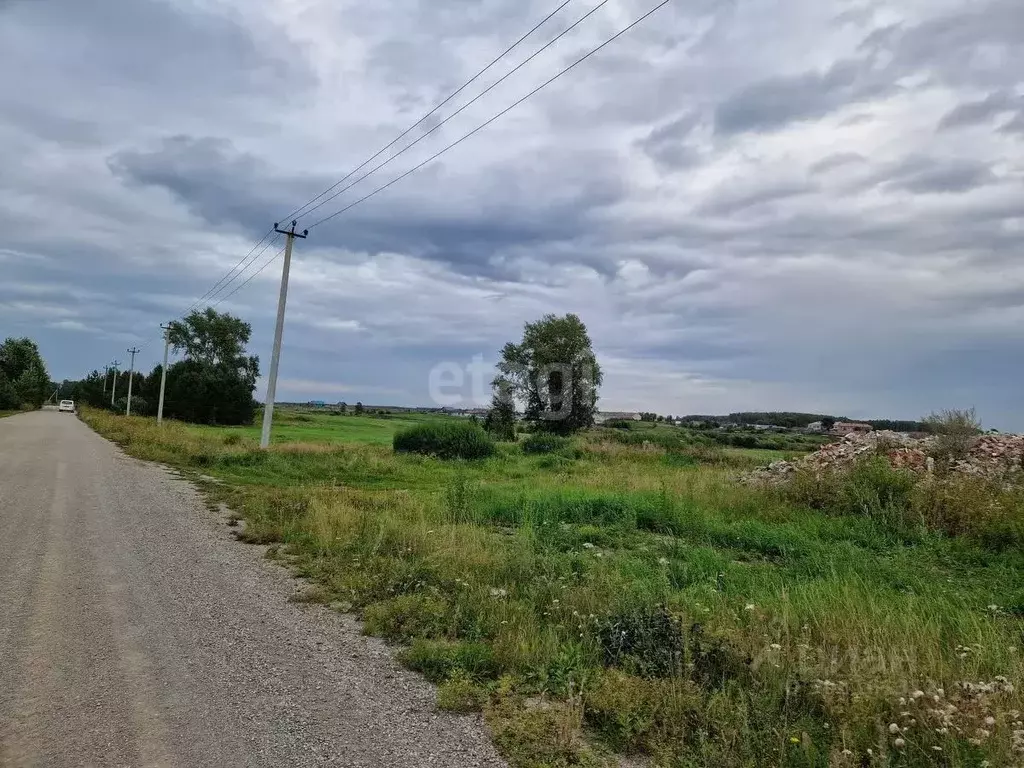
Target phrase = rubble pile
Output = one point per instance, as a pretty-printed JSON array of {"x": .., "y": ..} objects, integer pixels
[{"x": 996, "y": 456}]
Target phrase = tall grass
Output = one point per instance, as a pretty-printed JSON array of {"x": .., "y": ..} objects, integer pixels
[{"x": 632, "y": 603}]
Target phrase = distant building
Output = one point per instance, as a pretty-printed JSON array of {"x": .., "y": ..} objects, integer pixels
[
  {"x": 815, "y": 426},
  {"x": 603, "y": 416},
  {"x": 316, "y": 404},
  {"x": 846, "y": 427}
]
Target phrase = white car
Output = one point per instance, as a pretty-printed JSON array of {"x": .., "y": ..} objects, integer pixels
[{"x": 66, "y": 406}]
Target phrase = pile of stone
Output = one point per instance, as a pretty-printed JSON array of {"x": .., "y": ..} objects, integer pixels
[
  {"x": 993, "y": 456},
  {"x": 996, "y": 456}
]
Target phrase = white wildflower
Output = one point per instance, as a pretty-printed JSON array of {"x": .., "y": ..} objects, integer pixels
[
  {"x": 899, "y": 743},
  {"x": 893, "y": 728}
]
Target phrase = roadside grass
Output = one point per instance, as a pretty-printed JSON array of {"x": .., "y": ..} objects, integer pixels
[
  {"x": 8, "y": 413},
  {"x": 634, "y": 599}
]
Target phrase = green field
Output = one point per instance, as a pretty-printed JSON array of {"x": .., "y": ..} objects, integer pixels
[
  {"x": 629, "y": 597},
  {"x": 291, "y": 425}
]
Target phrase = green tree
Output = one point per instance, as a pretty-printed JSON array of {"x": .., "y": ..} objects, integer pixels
[
  {"x": 215, "y": 382},
  {"x": 23, "y": 376},
  {"x": 554, "y": 371},
  {"x": 501, "y": 418},
  {"x": 359, "y": 409},
  {"x": 343, "y": 407}
]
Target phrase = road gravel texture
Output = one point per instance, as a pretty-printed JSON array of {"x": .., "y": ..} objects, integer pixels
[{"x": 136, "y": 631}]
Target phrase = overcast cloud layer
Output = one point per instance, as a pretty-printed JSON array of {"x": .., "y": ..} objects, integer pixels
[{"x": 753, "y": 204}]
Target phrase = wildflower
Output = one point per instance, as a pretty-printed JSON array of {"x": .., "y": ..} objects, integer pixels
[
  {"x": 893, "y": 728},
  {"x": 847, "y": 752},
  {"x": 993, "y": 608},
  {"x": 990, "y": 720},
  {"x": 498, "y": 592},
  {"x": 794, "y": 740},
  {"x": 917, "y": 694},
  {"x": 899, "y": 743},
  {"x": 937, "y": 748},
  {"x": 749, "y": 607},
  {"x": 662, "y": 561},
  {"x": 587, "y": 545},
  {"x": 775, "y": 647}
]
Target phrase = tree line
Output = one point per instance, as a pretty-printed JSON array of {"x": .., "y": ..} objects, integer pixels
[
  {"x": 213, "y": 384},
  {"x": 24, "y": 382}
]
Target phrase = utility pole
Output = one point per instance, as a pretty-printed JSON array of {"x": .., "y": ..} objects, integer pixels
[
  {"x": 106, "y": 370},
  {"x": 275, "y": 357},
  {"x": 163, "y": 375},
  {"x": 131, "y": 373},
  {"x": 113, "y": 388}
]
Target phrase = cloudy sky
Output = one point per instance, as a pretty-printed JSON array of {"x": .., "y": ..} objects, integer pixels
[{"x": 753, "y": 204}]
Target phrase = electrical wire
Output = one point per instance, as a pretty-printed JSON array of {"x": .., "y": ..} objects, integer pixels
[
  {"x": 302, "y": 210},
  {"x": 220, "y": 285},
  {"x": 500, "y": 114},
  {"x": 210, "y": 292},
  {"x": 271, "y": 242},
  {"x": 249, "y": 279},
  {"x": 464, "y": 107}
]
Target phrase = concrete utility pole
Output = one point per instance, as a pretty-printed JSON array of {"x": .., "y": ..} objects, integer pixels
[
  {"x": 106, "y": 370},
  {"x": 163, "y": 375},
  {"x": 131, "y": 373},
  {"x": 275, "y": 357},
  {"x": 113, "y": 388}
]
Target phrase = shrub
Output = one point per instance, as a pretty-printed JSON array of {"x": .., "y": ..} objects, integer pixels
[
  {"x": 544, "y": 442},
  {"x": 648, "y": 644},
  {"x": 139, "y": 406},
  {"x": 619, "y": 424},
  {"x": 439, "y": 660},
  {"x": 460, "y": 694},
  {"x": 956, "y": 430},
  {"x": 446, "y": 440}
]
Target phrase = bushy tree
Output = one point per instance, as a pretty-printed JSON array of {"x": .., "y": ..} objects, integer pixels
[
  {"x": 554, "y": 371},
  {"x": 359, "y": 409},
  {"x": 501, "y": 418},
  {"x": 215, "y": 382},
  {"x": 955, "y": 430},
  {"x": 23, "y": 376}
]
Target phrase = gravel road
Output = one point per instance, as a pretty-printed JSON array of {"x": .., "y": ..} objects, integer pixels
[{"x": 135, "y": 631}]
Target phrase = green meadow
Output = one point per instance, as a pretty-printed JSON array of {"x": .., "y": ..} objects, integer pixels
[{"x": 625, "y": 595}]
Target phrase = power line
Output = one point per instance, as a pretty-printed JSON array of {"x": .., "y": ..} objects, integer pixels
[
  {"x": 220, "y": 285},
  {"x": 301, "y": 211},
  {"x": 249, "y": 279},
  {"x": 254, "y": 257},
  {"x": 464, "y": 107},
  {"x": 210, "y": 292},
  {"x": 500, "y": 114}
]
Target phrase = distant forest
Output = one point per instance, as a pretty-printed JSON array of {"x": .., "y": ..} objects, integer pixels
[{"x": 799, "y": 420}]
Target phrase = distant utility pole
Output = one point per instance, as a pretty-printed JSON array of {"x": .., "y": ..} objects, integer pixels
[
  {"x": 131, "y": 373},
  {"x": 275, "y": 358},
  {"x": 106, "y": 370},
  {"x": 113, "y": 388},
  {"x": 163, "y": 375}
]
